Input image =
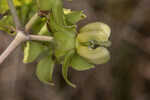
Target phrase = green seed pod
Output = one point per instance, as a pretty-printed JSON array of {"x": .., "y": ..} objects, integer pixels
[
  {"x": 92, "y": 41},
  {"x": 97, "y": 26}
]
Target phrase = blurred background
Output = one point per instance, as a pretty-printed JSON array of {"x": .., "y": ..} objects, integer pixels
[{"x": 125, "y": 77}]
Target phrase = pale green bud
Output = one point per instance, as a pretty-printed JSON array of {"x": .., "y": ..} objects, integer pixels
[{"x": 92, "y": 43}]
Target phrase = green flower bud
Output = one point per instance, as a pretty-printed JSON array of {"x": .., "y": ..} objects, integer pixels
[
  {"x": 97, "y": 26},
  {"x": 92, "y": 43}
]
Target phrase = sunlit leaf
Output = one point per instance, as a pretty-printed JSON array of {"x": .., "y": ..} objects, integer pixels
[
  {"x": 44, "y": 30},
  {"x": 32, "y": 50}
]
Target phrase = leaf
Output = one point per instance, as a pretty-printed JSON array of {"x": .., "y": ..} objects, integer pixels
[
  {"x": 64, "y": 43},
  {"x": 23, "y": 13},
  {"x": 65, "y": 67},
  {"x": 45, "y": 5},
  {"x": 80, "y": 64},
  {"x": 6, "y": 24},
  {"x": 60, "y": 28},
  {"x": 64, "y": 37},
  {"x": 57, "y": 11},
  {"x": 74, "y": 16},
  {"x": 44, "y": 30},
  {"x": 45, "y": 70},
  {"x": 40, "y": 22},
  {"x": 32, "y": 50}
]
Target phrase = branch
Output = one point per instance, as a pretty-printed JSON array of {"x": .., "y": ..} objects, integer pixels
[
  {"x": 16, "y": 42},
  {"x": 40, "y": 38},
  {"x": 14, "y": 14},
  {"x": 31, "y": 22},
  {"x": 21, "y": 37}
]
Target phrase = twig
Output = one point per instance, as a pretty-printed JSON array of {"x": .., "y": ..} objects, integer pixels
[
  {"x": 20, "y": 37},
  {"x": 14, "y": 14},
  {"x": 40, "y": 38},
  {"x": 31, "y": 22}
]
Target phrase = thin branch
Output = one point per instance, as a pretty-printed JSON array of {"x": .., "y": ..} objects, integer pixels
[
  {"x": 20, "y": 37},
  {"x": 40, "y": 38},
  {"x": 14, "y": 14},
  {"x": 31, "y": 22}
]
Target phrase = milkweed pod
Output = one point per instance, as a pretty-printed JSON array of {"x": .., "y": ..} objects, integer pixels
[
  {"x": 92, "y": 43},
  {"x": 99, "y": 55},
  {"x": 97, "y": 26},
  {"x": 98, "y": 36}
]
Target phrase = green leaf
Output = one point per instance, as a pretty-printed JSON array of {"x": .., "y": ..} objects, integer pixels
[
  {"x": 32, "y": 50},
  {"x": 60, "y": 28},
  {"x": 23, "y": 13},
  {"x": 45, "y": 5},
  {"x": 44, "y": 30},
  {"x": 57, "y": 11},
  {"x": 40, "y": 22},
  {"x": 80, "y": 64},
  {"x": 64, "y": 43},
  {"x": 65, "y": 67},
  {"x": 6, "y": 24},
  {"x": 64, "y": 37},
  {"x": 45, "y": 70},
  {"x": 74, "y": 16}
]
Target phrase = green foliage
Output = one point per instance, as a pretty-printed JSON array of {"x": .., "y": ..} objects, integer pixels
[
  {"x": 32, "y": 50},
  {"x": 80, "y": 64},
  {"x": 6, "y": 24},
  {"x": 45, "y": 69},
  {"x": 4, "y": 5},
  {"x": 66, "y": 63},
  {"x": 25, "y": 10},
  {"x": 79, "y": 51},
  {"x": 74, "y": 16},
  {"x": 64, "y": 42}
]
